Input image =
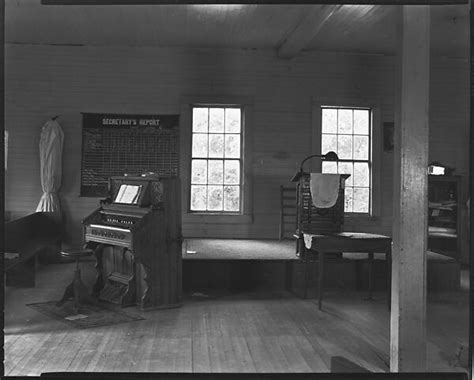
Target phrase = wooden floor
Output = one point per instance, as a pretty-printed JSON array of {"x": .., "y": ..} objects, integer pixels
[{"x": 250, "y": 332}]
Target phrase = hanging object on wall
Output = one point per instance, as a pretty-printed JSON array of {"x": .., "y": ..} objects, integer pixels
[
  {"x": 117, "y": 145},
  {"x": 388, "y": 138},
  {"x": 50, "y": 151}
]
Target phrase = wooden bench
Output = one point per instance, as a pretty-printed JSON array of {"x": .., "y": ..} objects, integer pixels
[{"x": 26, "y": 238}]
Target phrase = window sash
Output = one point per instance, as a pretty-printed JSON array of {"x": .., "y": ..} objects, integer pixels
[
  {"x": 336, "y": 132},
  {"x": 224, "y": 158}
]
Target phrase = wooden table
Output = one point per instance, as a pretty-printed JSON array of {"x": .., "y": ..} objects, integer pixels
[{"x": 350, "y": 242}]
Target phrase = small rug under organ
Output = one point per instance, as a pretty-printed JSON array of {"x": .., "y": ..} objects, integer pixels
[{"x": 88, "y": 315}]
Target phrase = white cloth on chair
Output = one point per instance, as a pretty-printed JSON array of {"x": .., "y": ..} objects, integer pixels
[{"x": 324, "y": 189}]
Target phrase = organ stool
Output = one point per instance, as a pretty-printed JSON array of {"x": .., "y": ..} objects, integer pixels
[{"x": 77, "y": 290}]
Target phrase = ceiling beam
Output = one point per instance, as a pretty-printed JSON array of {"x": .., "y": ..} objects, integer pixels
[{"x": 306, "y": 30}]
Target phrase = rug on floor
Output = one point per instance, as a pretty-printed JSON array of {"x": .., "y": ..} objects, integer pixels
[{"x": 101, "y": 314}]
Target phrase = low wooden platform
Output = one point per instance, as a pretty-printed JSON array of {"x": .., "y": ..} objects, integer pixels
[
  {"x": 238, "y": 249},
  {"x": 245, "y": 264}
]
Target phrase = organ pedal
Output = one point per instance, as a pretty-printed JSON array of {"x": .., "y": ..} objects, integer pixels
[{"x": 119, "y": 289}]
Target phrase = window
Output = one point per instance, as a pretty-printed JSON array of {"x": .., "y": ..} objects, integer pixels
[
  {"x": 347, "y": 131},
  {"x": 216, "y": 159}
]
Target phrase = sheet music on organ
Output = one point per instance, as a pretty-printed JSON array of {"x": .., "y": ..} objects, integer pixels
[{"x": 128, "y": 194}]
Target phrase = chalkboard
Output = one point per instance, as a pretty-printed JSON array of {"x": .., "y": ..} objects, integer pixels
[{"x": 115, "y": 145}]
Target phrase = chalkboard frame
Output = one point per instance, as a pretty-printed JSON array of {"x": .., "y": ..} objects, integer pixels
[{"x": 124, "y": 144}]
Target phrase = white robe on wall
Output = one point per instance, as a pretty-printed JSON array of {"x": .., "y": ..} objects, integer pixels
[{"x": 50, "y": 150}]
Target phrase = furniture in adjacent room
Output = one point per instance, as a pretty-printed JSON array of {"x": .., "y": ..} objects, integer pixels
[
  {"x": 26, "y": 239},
  {"x": 136, "y": 238},
  {"x": 446, "y": 233}
]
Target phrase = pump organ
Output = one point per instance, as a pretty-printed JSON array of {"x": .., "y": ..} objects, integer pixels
[{"x": 137, "y": 243}]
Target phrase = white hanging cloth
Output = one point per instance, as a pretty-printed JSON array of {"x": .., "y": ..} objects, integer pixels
[
  {"x": 50, "y": 150},
  {"x": 324, "y": 189}
]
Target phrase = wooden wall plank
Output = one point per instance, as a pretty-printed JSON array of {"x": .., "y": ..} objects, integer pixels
[{"x": 43, "y": 81}]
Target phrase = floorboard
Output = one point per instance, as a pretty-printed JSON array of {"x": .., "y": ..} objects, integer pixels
[{"x": 222, "y": 332}]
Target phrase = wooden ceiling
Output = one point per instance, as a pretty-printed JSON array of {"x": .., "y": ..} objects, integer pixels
[{"x": 287, "y": 29}]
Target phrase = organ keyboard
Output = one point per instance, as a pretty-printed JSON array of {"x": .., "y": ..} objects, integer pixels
[{"x": 136, "y": 237}]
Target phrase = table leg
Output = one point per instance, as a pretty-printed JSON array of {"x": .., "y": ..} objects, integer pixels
[
  {"x": 388, "y": 259},
  {"x": 320, "y": 278},
  {"x": 371, "y": 280},
  {"x": 305, "y": 254}
]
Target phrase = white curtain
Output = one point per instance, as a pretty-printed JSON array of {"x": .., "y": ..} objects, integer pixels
[{"x": 50, "y": 149}]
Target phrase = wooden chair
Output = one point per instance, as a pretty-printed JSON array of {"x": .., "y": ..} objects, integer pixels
[
  {"x": 288, "y": 223},
  {"x": 328, "y": 223},
  {"x": 312, "y": 220}
]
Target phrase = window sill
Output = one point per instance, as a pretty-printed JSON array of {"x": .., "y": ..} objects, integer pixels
[{"x": 203, "y": 218}]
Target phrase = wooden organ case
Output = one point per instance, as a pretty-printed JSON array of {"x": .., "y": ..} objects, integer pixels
[{"x": 136, "y": 237}]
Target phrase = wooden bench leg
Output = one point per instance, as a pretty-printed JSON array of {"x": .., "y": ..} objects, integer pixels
[
  {"x": 371, "y": 277},
  {"x": 320, "y": 279},
  {"x": 388, "y": 259}
]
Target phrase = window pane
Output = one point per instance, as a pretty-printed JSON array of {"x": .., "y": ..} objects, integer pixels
[
  {"x": 329, "y": 167},
  {"x": 348, "y": 202},
  {"x": 361, "y": 199},
  {"x": 216, "y": 120},
  {"x": 216, "y": 172},
  {"x": 344, "y": 148},
  {"x": 214, "y": 201},
  {"x": 344, "y": 121},
  {"x": 232, "y": 120},
  {"x": 199, "y": 171},
  {"x": 346, "y": 168},
  {"x": 329, "y": 120},
  {"x": 231, "y": 198},
  {"x": 361, "y": 147},
  {"x": 198, "y": 198},
  {"x": 361, "y": 122},
  {"x": 200, "y": 145},
  {"x": 328, "y": 143},
  {"x": 232, "y": 172},
  {"x": 232, "y": 146},
  {"x": 361, "y": 174},
  {"x": 216, "y": 145},
  {"x": 200, "y": 119}
]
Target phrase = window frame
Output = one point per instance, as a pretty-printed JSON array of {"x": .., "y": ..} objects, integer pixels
[
  {"x": 375, "y": 147},
  {"x": 245, "y": 216},
  {"x": 368, "y": 160},
  {"x": 240, "y": 159}
]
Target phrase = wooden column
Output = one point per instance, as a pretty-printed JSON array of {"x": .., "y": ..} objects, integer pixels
[{"x": 408, "y": 311}]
